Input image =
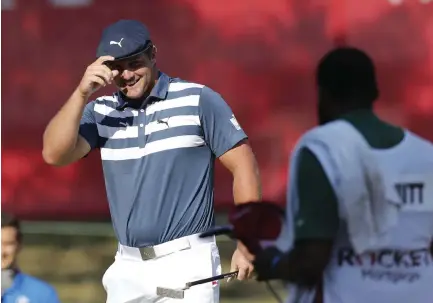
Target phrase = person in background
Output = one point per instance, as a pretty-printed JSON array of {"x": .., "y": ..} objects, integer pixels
[
  {"x": 360, "y": 199},
  {"x": 16, "y": 286}
]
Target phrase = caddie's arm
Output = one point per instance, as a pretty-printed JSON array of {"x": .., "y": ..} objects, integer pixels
[{"x": 316, "y": 225}]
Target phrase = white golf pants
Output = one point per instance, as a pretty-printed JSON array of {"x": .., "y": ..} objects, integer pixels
[{"x": 131, "y": 279}]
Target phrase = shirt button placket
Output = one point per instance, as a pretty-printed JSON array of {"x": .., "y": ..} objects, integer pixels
[{"x": 141, "y": 127}]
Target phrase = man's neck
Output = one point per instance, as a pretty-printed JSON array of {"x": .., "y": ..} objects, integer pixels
[
  {"x": 155, "y": 76},
  {"x": 134, "y": 101},
  {"x": 378, "y": 133},
  {"x": 358, "y": 113}
]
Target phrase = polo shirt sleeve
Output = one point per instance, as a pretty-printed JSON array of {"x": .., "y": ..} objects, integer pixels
[
  {"x": 221, "y": 129},
  {"x": 88, "y": 128},
  {"x": 317, "y": 216}
]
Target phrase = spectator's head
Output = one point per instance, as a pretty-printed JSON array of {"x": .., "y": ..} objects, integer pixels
[
  {"x": 346, "y": 81},
  {"x": 10, "y": 239}
]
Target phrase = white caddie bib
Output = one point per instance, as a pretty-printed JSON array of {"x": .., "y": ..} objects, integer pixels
[{"x": 401, "y": 272}]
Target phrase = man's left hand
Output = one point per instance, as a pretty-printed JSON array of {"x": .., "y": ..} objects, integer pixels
[{"x": 241, "y": 263}]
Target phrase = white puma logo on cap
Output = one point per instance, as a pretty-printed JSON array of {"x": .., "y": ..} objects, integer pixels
[{"x": 118, "y": 43}]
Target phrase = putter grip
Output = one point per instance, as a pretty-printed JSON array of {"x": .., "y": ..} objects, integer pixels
[{"x": 219, "y": 277}]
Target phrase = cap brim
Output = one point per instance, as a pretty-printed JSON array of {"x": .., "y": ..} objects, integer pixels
[
  {"x": 135, "y": 54},
  {"x": 128, "y": 57},
  {"x": 112, "y": 63}
]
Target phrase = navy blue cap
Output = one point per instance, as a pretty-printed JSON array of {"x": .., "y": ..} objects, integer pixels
[{"x": 123, "y": 39}]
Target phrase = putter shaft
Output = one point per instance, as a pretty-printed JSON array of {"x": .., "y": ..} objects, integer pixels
[
  {"x": 180, "y": 293},
  {"x": 214, "y": 278}
]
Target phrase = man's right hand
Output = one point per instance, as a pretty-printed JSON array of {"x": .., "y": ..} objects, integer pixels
[{"x": 97, "y": 75}]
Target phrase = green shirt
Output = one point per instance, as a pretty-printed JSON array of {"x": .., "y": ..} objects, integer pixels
[{"x": 318, "y": 205}]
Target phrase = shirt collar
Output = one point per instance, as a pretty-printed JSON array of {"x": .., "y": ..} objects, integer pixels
[
  {"x": 159, "y": 91},
  {"x": 17, "y": 280},
  {"x": 19, "y": 276}
]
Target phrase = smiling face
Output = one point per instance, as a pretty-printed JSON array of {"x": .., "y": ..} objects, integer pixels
[
  {"x": 10, "y": 246},
  {"x": 136, "y": 74}
]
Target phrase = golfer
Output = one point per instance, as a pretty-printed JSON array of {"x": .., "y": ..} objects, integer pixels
[{"x": 158, "y": 138}]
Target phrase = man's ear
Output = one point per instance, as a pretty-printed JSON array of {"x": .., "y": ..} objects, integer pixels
[{"x": 153, "y": 56}]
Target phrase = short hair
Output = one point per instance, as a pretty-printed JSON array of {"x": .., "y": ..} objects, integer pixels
[
  {"x": 348, "y": 73},
  {"x": 149, "y": 49},
  {"x": 9, "y": 220}
]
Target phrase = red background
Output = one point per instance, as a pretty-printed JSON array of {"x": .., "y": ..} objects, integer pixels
[{"x": 260, "y": 55}]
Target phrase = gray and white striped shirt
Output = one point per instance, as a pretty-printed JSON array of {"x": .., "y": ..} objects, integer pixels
[{"x": 158, "y": 159}]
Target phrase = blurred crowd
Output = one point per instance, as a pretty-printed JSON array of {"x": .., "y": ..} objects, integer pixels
[{"x": 259, "y": 55}]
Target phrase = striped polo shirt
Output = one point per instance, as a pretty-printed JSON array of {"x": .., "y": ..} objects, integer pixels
[{"x": 158, "y": 158}]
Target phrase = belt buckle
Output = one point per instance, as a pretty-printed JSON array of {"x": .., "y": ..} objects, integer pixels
[{"x": 147, "y": 253}]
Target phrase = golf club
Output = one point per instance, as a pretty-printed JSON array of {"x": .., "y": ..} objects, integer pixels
[{"x": 180, "y": 292}]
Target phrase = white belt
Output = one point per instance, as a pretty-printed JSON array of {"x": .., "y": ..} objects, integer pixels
[{"x": 163, "y": 249}]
